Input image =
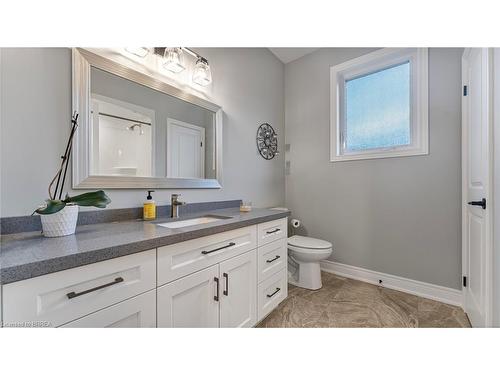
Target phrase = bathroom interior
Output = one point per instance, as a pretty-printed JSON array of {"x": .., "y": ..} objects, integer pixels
[
  {"x": 330, "y": 185},
  {"x": 249, "y": 187}
]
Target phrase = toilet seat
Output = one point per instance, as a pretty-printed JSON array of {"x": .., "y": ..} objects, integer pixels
[
  {"x": 302, "y": 244},
  {"x": 302, "y": 250},
  {"x": 307, "y": 253}
]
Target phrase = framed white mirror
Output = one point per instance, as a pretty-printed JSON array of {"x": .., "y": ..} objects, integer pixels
[{"x": 138, "y": 131}]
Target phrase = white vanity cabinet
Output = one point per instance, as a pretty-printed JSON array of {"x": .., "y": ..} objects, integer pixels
[
  {"x": 246, "y": 278},
  {"x": 229, "y": 279},
  {"x": 222, "y": 295}
]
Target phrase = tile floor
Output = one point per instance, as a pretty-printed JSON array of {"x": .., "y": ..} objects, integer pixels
[{"x": 344, "y": 302}]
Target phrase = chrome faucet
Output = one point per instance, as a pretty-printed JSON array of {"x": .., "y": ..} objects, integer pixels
[{"x": 174, "y": 205}]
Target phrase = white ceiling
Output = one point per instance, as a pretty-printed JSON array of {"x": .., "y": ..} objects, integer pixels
[{"x": 287, "y": 55}]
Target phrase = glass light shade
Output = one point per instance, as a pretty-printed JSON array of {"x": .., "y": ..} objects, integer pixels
[
  {"x": 174, "y": 60},
  {"x": 202, "y": 74},
  {"x": 138, "y": 51}
]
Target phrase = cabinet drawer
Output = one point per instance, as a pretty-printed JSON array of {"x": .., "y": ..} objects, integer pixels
[
  {"x": 271, "y": 292},
  {"x": 183, "y": 258},
  {"x": 61, "y": 297},
  {"x": 136, "y": 312},
  {"x": 272, "y": 258},
  {"x": 271, "y": 231}
]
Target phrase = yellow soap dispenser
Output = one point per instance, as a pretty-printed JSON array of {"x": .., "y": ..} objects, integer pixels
[{"x": 149, "y": 207}]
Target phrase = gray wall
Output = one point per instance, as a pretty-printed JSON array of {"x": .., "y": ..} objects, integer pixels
[
  {"x": 35, "y": 113},
  {"x": 399, "y": 216}
]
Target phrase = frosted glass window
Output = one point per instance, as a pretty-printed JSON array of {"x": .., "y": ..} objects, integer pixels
[{"x": 377, "y": 109}]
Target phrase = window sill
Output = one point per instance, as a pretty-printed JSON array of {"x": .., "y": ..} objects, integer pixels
[{"x": 378, "y": 155}]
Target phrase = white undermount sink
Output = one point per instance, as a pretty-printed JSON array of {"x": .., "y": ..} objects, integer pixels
[{"x": 191, "y": 222}]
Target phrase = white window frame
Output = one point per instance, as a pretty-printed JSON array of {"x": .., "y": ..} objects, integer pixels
[{"x": 419, "y": 93}]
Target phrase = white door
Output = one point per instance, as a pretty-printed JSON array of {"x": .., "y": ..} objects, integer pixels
[
  {"x": 136, "y": 312},
  {"x": 191, "y": 301},
  {"x": 185, "y": 150},
  {"x": 238, "y": 304},
  {"x": 476, "y": 171}
]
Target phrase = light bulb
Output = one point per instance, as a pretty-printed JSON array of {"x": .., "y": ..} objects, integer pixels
[
  {"x": 138, "y": 51},
  {"x": 202, "y": 74},
  {"x": 173, "y": 59}
]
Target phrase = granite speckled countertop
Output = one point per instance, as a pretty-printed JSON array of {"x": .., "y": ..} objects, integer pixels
[{"x": 29, "y": 254}]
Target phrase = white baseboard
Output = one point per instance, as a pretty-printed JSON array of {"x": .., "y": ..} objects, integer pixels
[{"x": 418, "y": 288}]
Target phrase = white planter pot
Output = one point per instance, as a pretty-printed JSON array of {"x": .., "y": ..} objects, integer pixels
[{"x": 62, "y": 223}]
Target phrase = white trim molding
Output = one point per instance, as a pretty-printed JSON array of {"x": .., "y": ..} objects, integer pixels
[
  {"x": 496, "y": 187},
  {"x": 373, "y": 62},
  {"x": 418, "y": 288}
]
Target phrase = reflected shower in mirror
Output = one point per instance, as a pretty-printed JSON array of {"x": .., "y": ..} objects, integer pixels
[{"x": 138, "y": 131}]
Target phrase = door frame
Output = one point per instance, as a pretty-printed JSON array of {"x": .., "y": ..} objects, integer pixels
[
  {"x": 172, "y": 121},
  {"x": 496, "y": 187},
  {"x": 489, "y": 194}
]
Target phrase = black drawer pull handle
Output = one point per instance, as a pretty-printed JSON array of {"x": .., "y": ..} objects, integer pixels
[
  {"x": 73, "y": 294},
  {"x": 204, "y": 252},
  {"x": 272, "y": 294},
  {"x": 272, "y": 260},
  {"x": 481, "y": 203},
  {"x": 273, "y": 231},
  {"x": 226, "y": 292},
  {"x": 216, "y": 297}
]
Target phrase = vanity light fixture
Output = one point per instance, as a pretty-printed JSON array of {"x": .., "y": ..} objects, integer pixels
[
  {"x": 174, "y": 59},
  {"x": 138, "y": 51},
  {"x": 174, "y": 62},
  {"x": 202, "y": 74}
]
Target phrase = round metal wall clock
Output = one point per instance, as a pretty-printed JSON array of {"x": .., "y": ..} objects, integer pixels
[{"x": 267, "y": 141}]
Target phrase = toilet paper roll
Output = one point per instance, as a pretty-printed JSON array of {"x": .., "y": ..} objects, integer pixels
[{"x": 295, "y": 223}]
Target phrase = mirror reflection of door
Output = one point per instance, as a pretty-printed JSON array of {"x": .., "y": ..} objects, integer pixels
[{"x": 185, "y": 150}]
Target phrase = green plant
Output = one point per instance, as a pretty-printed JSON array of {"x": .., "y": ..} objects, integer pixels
[
  {"x": 52, "y": 205},
  {"x": 93, "y": 199}
]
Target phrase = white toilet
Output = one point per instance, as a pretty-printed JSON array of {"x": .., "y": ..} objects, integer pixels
[{"x": 304, "y": 254}]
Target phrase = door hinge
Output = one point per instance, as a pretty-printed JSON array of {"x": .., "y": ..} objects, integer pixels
[
  {"x": 464, "y": 281},
  {"x": 201, "y": 144},
  {"x": 465, "y": 90}
]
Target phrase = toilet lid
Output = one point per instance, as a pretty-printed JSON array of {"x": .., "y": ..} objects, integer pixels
[{"x": 308, "y": 242}]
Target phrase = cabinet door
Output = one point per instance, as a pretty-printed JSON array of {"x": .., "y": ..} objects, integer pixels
[
  {"x": 191, "y": 301},
  {"x": 136, "y": 312},
  {"x": 238, "y": 305}
]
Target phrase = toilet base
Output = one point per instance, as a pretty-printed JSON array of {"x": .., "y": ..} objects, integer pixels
[{"x": 309, "y": 276}]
